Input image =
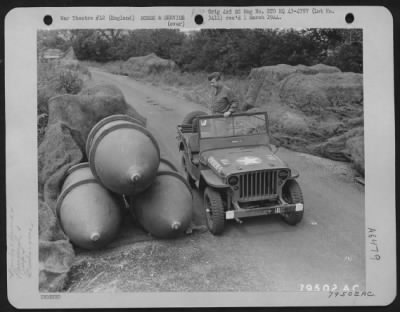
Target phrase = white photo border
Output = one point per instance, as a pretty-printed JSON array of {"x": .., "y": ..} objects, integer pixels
[{"x": 21, "y": 26}]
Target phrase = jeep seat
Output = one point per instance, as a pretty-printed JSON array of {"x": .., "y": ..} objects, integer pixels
[
  {"x": 193, "y": 143},
  {"x": 194, "y": 147}
]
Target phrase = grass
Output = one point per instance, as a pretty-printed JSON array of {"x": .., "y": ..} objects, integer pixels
[{"x": 193, "y": 87}]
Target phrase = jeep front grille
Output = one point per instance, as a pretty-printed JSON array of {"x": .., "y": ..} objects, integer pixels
[{"x": 258, "y": 185}]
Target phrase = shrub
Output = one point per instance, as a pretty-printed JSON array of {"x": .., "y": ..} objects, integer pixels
[
  {"x": 347, "y": 57},
  {"x": 55, "y": 79},
  {"x": 76, "y": 66},
  {"x": 68, "y": 81}
]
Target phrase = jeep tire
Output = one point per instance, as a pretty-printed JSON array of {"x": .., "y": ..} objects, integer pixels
[
  {"x": 214, "y": 209},
  {"x": 190, "y": 119},
  {"x": 188, "y": 177},
  {"x": 292, "y": 194}
]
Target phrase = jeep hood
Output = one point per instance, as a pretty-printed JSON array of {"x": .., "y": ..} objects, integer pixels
[{"x": 238, "y": 160}]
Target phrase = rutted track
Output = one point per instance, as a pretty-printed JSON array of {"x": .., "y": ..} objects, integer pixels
[{"x": 262, "y": 254}]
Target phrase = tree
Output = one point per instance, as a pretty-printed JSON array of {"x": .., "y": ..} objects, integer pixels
[
  {"x": 96, "y": 45},
  {"x": 52, "y": 39},
  {"x": 232, "y": 51},
  {"x": 348, "y": 58}
]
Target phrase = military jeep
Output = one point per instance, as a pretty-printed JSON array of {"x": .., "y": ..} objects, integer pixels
[{"x": 232, "y": 162}]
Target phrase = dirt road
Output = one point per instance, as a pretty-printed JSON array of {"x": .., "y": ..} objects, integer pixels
[{"x": 325, "y": 251}]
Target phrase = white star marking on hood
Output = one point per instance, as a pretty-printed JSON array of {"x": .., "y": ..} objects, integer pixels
[{"x": 249, "y": 160}]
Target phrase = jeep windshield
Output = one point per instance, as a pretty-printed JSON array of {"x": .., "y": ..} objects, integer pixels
[{"x": 236, "y": 125}]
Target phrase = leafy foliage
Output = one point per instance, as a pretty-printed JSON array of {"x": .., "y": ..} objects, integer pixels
[
  {"x": 69, "y": 82},
  {"x": 232, "y": 51},
  {"x": 347, "y": 57}
]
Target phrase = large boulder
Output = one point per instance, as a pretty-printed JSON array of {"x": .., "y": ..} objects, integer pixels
[
  {"x": 355, "y": 148},
  {"x": 293, "y": 122},
  {"x": 71, "y": 117},
  {"x": 264, "y": 81},
  {"x": 55, "y": 261},
  {"x": 82, "y": 111},
  {"x": 324, "y": 94},
  {"x": 322, "y": 68},
  {"x": 57, "y": 153},
  {"x": 68, "y": 76},
  {"x": 44, "y": 94},
  {"x": 345, "y": 147},
  {"x": 315, "y": 109},
  {"x": 147, "y": 64}
]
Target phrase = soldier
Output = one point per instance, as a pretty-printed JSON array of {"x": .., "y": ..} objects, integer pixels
[{"x": 224, "y": 100}]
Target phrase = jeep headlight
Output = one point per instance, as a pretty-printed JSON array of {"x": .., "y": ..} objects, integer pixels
[
  {"x": 233, "y": 180},
  {"x": 283, "y": 174}
]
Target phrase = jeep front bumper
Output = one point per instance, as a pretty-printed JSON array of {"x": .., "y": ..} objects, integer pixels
[{"x": 238, "y": 212}]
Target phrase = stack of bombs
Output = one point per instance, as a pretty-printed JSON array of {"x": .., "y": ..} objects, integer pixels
[{"x": 123, "y": 161}]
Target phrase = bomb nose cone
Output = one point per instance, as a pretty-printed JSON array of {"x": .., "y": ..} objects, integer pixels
[
  {"x": 135, "y": 177},
  {"x": 163, "y": 215},
  {"x": 95, "y": 237},
  {"x": 176, "y": 226}
]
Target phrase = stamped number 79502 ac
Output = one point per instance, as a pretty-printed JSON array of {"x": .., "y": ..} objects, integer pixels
[{"x": 326, "y": 287}]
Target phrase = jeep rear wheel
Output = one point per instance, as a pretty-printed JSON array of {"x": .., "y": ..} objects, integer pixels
[
  {"x": 190, "y": 119},
  {"x": 214, "y": 208},
  {"x": 292, "y": 194},
  {"x": 187, "y": 175}
]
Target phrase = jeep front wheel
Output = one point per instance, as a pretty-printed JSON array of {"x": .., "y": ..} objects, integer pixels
[
  {"x": 214, "y": 208},
  {"x": 292, "y": 194}
]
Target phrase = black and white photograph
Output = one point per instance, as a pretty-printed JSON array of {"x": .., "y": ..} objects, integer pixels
[
  {"x": 184, "y": 160},
  {"x": 281, "y": 111}
]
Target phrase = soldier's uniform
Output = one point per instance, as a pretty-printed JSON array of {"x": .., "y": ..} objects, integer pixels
[{"x": 224, "y": 100}]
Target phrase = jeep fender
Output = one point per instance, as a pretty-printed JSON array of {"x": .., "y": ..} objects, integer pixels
[
  {"x": 295, "y": 174},
  {"x": 208, "y": 177}
]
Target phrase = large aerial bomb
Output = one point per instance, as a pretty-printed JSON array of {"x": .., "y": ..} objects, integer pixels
[
  {"x": 165, "y": 208},
  {"x": 88, "y": 213},
  {"x": 123, "y": 155},
  {"x": 166, "y": 165}
]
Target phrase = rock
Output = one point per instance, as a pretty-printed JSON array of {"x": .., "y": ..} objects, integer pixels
[
  {"x": 312, "y": 109},
  {"x": 55, "y": 260},
  {"x": 322, "y": 94},
  {"x": 82, "y": 111},
  {"x": 329, "y": 128},
  {"x": 322, "y": 68},
  {"x": 49, "y": 229},
  {"x": 148, "y": 64},
  {"x": 71, "y": 117},
  {"x": 355, "y": 148},
  {"x": 346, "y": 147},
  {"x": 44, "y": 94},
  {"x": 355, "y": 122},
  {"x": 58, "y": 151},
  {"x": 293, "y": 123},
  {"x": 264, "y": 81}
]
